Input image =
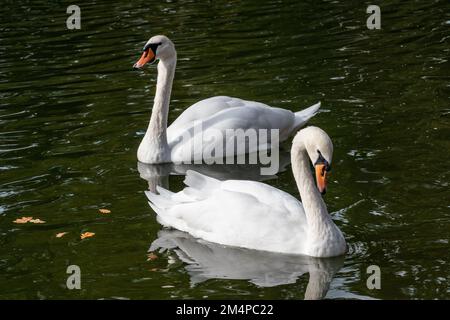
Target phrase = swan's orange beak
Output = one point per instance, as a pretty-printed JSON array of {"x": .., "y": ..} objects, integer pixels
[
  {"x": 321, "y": 175},
  {"x": 147, "y": 56}
]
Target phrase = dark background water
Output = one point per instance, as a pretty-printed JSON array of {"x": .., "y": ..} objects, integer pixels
[{"x": 72, "y": 113}]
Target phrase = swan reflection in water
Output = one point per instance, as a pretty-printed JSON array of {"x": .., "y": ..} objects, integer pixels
[
  {"x": 158, "y": 174},
  {"x": 206, "y": 260}
]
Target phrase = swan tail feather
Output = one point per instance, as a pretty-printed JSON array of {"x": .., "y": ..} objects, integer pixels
[
  {"x": 164, "y": 192},
  {"x": 301, "y": 117},
  {"x": 154, "y": 207},
  {"x": 200, "y": 182},
  {"x": 159, "y": 201}
]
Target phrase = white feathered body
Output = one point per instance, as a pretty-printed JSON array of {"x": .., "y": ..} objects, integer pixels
[{"x": 197, "y": 124}]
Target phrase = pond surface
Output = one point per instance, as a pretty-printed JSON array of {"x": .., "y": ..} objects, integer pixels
[{"x": 72, "y": 114}]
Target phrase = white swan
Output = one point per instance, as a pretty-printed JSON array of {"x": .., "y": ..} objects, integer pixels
[
  {"x": 162, "y": 145},
  {"x": 255, "y": 215}
]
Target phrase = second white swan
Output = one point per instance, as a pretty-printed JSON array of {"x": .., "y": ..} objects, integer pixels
[
  {"x": 163, "y": 145},
  {"x": 255, "y": 215}
]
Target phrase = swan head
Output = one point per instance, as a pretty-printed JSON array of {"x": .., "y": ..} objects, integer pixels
[
  {"x": 319, "y": 148},
  {"x": 158, "y": 47}
]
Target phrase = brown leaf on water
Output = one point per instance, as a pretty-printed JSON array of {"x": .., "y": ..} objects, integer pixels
[
  {"x": 104, "y": 211},
  {"x": 61, "y": 234},
  {"x": 23, "y": 220},
  {"x": 36, "y": 221},
  {"x": 87, "y": 235},
  {"x": 151, "y": 256}
]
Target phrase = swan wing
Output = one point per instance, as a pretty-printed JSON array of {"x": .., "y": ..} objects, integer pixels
[
  {"x": 210, "y": 132},
  {"x": 236, "y": 213},
  {"x": 206, "y": 108}
]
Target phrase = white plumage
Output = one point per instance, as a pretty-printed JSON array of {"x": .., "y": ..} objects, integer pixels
[
  {"x": 223, "y": 113},
  {"x": 162, "y": 144},
  {"x": 255, "y": 215},
  {"x": 233, "y": 212}
]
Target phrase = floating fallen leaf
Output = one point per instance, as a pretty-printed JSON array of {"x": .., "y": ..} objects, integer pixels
[
  {"x": 37, "y": 221},
  {"x": 61, "y": 234},
  {"x": 154, "y": 269},
  {"x": 151, "y": 256},
  {"x": 104, "y": 211},
  {"x": 23, "y": 220},
  {"x": 87, "y": 235}
]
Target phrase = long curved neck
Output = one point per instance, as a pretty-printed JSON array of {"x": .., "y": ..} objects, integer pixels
[
  {"x": 315, "y": 209},
  {"x": 157, "y": 128}
]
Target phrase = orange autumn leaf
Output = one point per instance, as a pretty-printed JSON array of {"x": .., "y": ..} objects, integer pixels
[
  {"x": 104, "y": 211},
  {"x": 23, "y": 220},
  {"x": 151, "y": 256},
  {"x": 61, "y": 234},
  {"x": 87, "y": 235},
  {"x": 37, "y": 221}
]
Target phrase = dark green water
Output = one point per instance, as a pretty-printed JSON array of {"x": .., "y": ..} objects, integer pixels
[{"x": 72, "y": 113}]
